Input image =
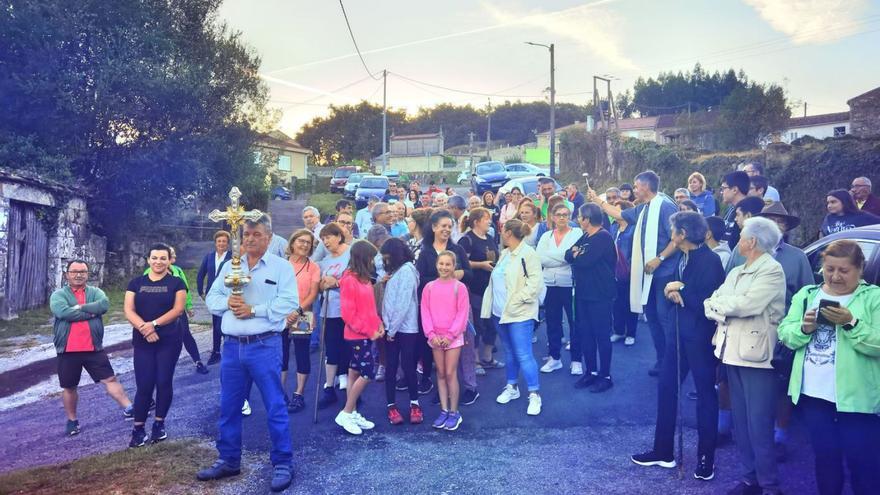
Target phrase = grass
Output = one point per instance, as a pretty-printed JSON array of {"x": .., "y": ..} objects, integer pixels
[
  {"x": 166, "y": 468},
  {"x": 324, "y": 202}
]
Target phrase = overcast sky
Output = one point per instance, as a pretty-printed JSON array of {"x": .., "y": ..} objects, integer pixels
[{"x": 822, "y": 51}]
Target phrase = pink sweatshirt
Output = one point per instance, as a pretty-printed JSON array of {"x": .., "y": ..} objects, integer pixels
[
  {"x": 442, "y": 314},
  {"x": 358, "y": 308}
]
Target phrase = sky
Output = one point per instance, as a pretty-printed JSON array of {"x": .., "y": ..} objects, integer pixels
[{"x": 820, "y": 51}]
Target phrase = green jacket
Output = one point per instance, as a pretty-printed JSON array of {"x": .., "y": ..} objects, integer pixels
[
  {"x": 62, "y": 302},
  {"x": 179, "y": 273},
  {"x": 857, "y": 361}
]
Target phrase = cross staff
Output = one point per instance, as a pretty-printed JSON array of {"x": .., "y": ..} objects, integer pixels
[{"x": 235, "y": 215}]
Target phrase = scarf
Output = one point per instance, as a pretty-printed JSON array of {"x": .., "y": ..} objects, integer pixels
[{"x": 640, "y": 282}]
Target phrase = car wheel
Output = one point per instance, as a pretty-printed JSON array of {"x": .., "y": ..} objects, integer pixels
[{"x": 276, "y": 197}]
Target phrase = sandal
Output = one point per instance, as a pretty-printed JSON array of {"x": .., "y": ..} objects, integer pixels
[{"x": 491, "y": 364}]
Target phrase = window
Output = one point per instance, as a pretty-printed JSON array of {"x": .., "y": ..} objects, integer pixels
[
  {"x": 284, "y": 163},
  {"x": 258, "y": 157},
  {"x": 793, "y": 136},
  {"x": 840, "y": 131}
]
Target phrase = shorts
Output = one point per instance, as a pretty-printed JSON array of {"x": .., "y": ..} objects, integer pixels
[
  {"x": 454, "y": 344},
  {"x": 71, "y": 364},
  {"x": 363, "y": 359}
]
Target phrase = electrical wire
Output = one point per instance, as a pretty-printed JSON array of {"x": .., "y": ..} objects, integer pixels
[
  {"x": 463, "y": 91},
  {"x": 353, "y": 40}
]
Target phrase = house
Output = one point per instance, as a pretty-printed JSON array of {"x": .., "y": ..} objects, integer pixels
[
  {"x": 463, "y": 153},
  {"x": 821, "y": 126},
  {"x": 286, "y": 159},
  {"x": 415, "y": 153},
  {"x": 864, "y": 112}
]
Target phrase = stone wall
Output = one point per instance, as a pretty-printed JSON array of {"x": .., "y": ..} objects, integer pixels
[{"x": 865, "y": 114}]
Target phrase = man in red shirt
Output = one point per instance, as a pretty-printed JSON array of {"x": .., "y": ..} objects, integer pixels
[{"x": 79, "y": 334}]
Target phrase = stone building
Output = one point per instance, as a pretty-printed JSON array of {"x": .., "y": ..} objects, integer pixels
[
  {"x": 43, "y": 225},
  {"x": 864, "y": 114}
]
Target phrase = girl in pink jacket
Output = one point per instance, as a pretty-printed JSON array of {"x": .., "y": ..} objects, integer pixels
[{"x": 445, "y": 307}]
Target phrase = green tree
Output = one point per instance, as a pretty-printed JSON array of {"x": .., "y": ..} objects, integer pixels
[
  {"x": 350, "y": 132},
  {"x": 750, "y": 113}
]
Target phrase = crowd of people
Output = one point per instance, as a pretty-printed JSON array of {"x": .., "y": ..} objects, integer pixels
[{"x": 419, "y": 290}]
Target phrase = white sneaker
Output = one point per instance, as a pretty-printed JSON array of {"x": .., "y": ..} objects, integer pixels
[
  {"x": 616, "y": 338},
  {"x": 362, "y": 422},
  {"x": 629, "y": 341},
  {"x": 343, "y": 382},
  {"x": 246, "y": 408},
  {"x": 551, "y": 365},
  {"x": 348, "y": 423},
  {"x": 509, "y": 393},
  {"x": 534, "y": 404},
  {"x": 380, "y": 373},
  {"x": 577, "y": 368}
]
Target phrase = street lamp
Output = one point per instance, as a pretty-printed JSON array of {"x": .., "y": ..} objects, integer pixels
[{"x": 552, "y": 106}]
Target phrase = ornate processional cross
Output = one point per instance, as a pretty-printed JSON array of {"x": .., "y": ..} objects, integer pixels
[{"x": 235, "y": 215}]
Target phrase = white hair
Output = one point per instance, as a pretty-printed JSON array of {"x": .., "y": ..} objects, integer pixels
[
  {"x": 312, "y": 209},
  {"x": 866, "y": 180},
  {"x": 441, "y": 196},
  {"x": 764, "y": 231}
]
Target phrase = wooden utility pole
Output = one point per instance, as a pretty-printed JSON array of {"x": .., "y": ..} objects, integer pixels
[{"x": 489, "y": 131}]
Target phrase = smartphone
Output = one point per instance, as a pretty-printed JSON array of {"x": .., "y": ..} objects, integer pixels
[{"x": 825, "y": 303}]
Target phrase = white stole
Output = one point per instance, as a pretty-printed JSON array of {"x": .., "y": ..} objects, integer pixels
[{"x": 640, "y": 282}]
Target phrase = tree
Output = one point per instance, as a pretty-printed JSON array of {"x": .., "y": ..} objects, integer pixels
[
  {"x": 750, "y": 113},
  {"x": 350, "y": 132},
  {"x": 144, "y": 102}
]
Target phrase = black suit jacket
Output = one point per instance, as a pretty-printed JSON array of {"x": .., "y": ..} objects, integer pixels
[
  {"x": 702, "y": 276},
  {"x": 208, "y": 271}
]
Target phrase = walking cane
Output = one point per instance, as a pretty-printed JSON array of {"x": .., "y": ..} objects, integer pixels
[
  {"x": 321, "y": 347},
  {"x": 678, "y": 398}
]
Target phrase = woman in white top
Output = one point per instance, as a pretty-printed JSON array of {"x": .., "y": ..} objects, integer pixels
[
  {"x": 529, "y": 214},
  {"x": 557, "y": 278},
  {"x": 511, "y": 207}
]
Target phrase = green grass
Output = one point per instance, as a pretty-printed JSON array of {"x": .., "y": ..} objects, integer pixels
[
  {"x": 324, "y": 202},
  {"x": 168, "y": 467}
]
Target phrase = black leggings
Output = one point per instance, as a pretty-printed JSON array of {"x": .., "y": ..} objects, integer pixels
[
  {"x": 188, "y": 341},
  {"x": 154, "y": 370},
  {"x": 337, "y": 351},
  {"x": 594, "y": 325},
  {"x": 300, "y": 351},
  {"x": 403, "y": 351},
  {"x": 483, "y": 326},
  {"x": 625, "y": 321}
]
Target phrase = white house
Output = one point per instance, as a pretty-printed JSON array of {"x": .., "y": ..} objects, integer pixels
[{"x": 817, "y": 126}]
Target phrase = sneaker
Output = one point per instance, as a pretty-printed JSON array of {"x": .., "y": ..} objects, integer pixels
[
  {"x": 651, "y": 458},
  {"x": 343, "y": 382},
  {"x": 282, "y": 476},
  {"x": 469, "y": 397},
  {"x": 479, "y": 370},
  {"x": 586, "y": 380},
  {"x": 72, "y": 427},
  {"x": 509, "y": 393},
  {"x": 201, "y": 368},
  {"x": 616, "y": 338},
  {"x": 534, "y": 404},
  {"x": 629, "y": 341},
  {"x": 493, "y": 363},
  {"x": 425, "y": 386},
  {"x": 416, "y": 416},
  {"x": 743, "y": 488},
  {"x": 394, "y": 416},
  {"x": 551, "y": 365},
  {"x": 297, "y": 403},
  {"x": 440, "y": 422},
  {"x": 138, "y": 437},
  {"x": 401, "y": 385},
  {"x": 158, "y": 433},
  {"x": 246, "y": 408},
  {"x": 362, "y": 422},
  {"x": 214, "y": 359},
  {"x": 380, "y": 373},
  {"x": 128, "y": 413},
  {"x": 601, "y": 385},
  {"x": 577, "y": 368},
  {"x": 705, "y": 469},
  {"x": 347, "y": 422},
  {"x": 219, "y": 470},
  {"x": 327, "y": 398},
  {"x": 453, "y": 421}
]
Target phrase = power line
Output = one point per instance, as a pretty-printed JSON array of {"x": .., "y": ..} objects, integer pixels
[
  {"x": 464, "y": 91},
  {"x": 358, "y": 50}
]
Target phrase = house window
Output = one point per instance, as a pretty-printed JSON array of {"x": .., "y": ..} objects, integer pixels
[
  {"x": 840, "y": 131},
  {"x": 258, "y": 157},
  {"x": 284, "y": 163},
  {"x": 793, "y": 136}
]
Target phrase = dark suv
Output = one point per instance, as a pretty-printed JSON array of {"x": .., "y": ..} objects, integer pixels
[{"x": 340, "y": 178}]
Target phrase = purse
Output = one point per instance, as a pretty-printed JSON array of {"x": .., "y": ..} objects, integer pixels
[
  {"x": 783, "y": 357},
  {"x": 304, "y": 324}
]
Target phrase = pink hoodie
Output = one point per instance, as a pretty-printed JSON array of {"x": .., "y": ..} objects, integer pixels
[
  {"x": 442, "y": 314},
  {"x": 358, "y": 308}
]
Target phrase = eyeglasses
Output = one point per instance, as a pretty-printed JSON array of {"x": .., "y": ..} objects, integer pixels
[
  {"x": 723, "y": 187},
  {"x": 343, "y": 222},
  {"x": 78, "y": 272},
  {"x": 858, "y": 185},
  {"x": 562, "y": 214}
]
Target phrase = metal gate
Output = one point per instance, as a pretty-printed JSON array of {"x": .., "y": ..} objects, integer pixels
[{"x": 28, "y": 263}]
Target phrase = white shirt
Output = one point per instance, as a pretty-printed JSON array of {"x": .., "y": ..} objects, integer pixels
[
  {"x": 820, "y": 355},
  {"x": 218, "y": 260}
]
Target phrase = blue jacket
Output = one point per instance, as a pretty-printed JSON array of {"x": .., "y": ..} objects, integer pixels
[
  {"x": 702, "y": 275},
  {"x": 208, "y": 270},
  {"x": 705, "y": 201}
]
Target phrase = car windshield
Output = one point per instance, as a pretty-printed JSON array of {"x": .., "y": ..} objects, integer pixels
[
  {"x": 373, "y": 183},
  {"x": 489, "y": 168},
  {"x": 342, "y": 173},
  {"x": 355, "y": 178}
]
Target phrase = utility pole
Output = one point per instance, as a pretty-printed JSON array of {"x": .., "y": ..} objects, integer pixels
[
  {"x": 384, "y": 119},
  {"x": 805, "y": 109},
  {"x": 489, "y": 131},
  {"x": 471, "y": 151},
  {"x": 612, "y": 114},
  {"x": 552, "y": 48}
]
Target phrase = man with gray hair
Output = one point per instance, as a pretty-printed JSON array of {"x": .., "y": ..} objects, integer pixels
[
  {"x": 364, "y": 217},
  {"x": 312, "y": 220},
  {"x": 438, "y": 200},
  {"x": 861, "y": 193},
  {"x": 457, "y": 206},
  {"x": 252, "y": 324},
  {"x": 382, "y": 216}
]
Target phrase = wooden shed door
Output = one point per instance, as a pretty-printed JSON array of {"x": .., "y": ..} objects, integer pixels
[{"x": 28, "y": 264}]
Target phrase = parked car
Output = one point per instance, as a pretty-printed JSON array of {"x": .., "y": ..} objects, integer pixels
[
  {"x": 352, "y": 184},
  {"x": 528, "y": 185},
  {"x": 525, "y": 170},
  {"x": 340, "y": 178},
  {"x": 868, "y": 239},
  {"x": 463, "y": 177},
  {"x": 280, "y": 192},
  {"x": 392, "y": 174},
  {"x": 488, "y": 176},
  {"x": 370, "y": 185}
]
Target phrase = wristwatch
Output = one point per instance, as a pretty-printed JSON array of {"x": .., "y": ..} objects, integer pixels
[
  {"x": 253, "y": 312},
  {"x": 155, "y": 324},
  {"x": 852, "y": 324},
  {"x": 661, "y": 258}
]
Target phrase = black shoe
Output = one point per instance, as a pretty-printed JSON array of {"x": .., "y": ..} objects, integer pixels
[
  {"x": 282, "y": 476},
  {"x": 401, "y": 385},
  {"x": 602, "y": 385},
  {"x": 214, "y": 359},
  {"x": 436, "y": 399},
  {"x": 692, "y": 395},
  {"x": 328, "y": 398},
  {"x": 655, "y": 371},
  {"x": 586, "y": 380},
  {"x": 138, "y": 437},
  {"x": 128, "y": 413},
  {"x": 469, "y": 397},
  {"x": 705, "y": 468},
  {"x": 158, "y": 434},
  {"x": 743, "y": 488},
  {"x": 426, "y": 386},
  {"x": 201, "y": 368},
  {"x": 651, "y": 458},
  {"x": 72, "y": 427},
  {"x": 218, "y": 471},
  {"x": 297, "y": 403}
]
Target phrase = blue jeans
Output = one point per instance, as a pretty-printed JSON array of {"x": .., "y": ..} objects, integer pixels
[
  {"x": 517, "y": 340},
  {"x": 257, "y": 362}
]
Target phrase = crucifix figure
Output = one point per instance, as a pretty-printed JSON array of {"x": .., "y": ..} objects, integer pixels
[{"x": 235, "y": 215}]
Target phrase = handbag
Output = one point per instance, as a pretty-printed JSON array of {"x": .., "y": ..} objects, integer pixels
[
  {"x": 304, "y": 324},
  {"x": 783, "y": 357}
]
